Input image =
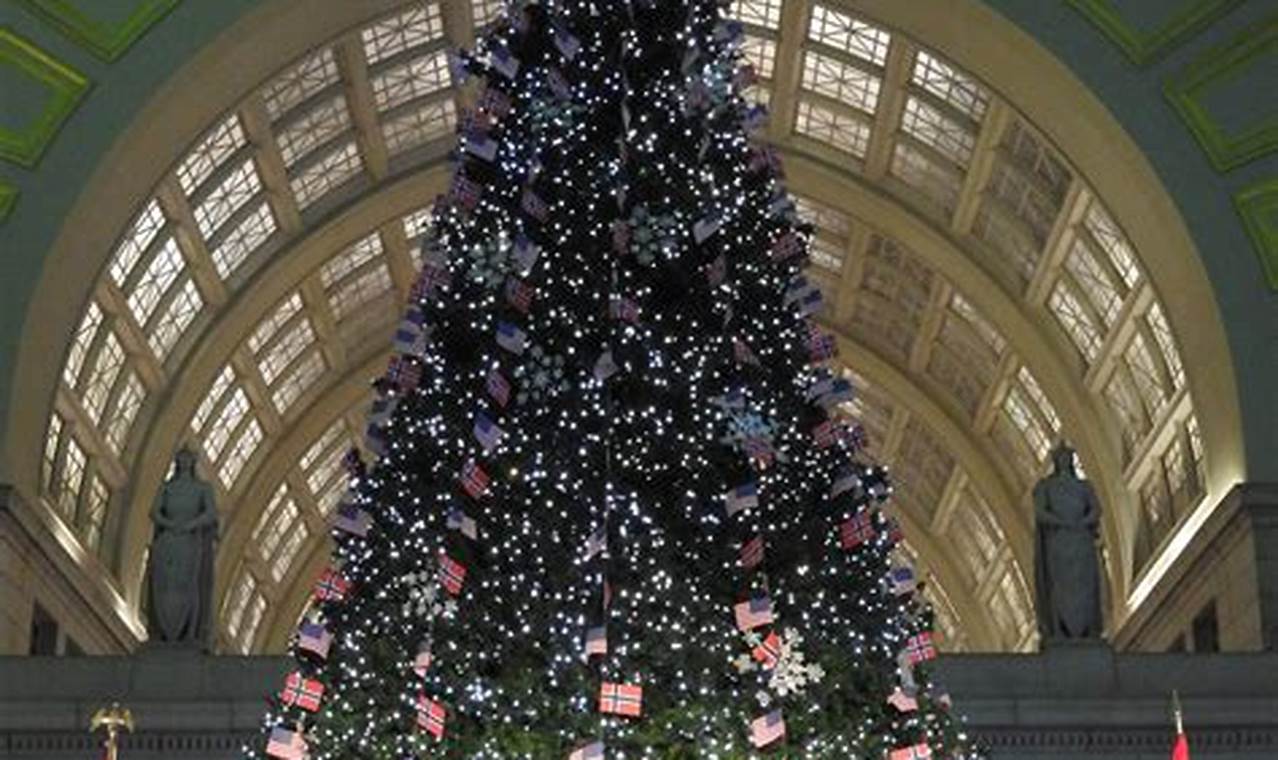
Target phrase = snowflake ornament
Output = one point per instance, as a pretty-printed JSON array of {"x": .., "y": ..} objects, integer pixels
[
  {"x": 423, "y": 591},
  {"x": 651, "y": 235},
  {"x": 490, "y": 262},
  {"x": 541, "y": 376}
]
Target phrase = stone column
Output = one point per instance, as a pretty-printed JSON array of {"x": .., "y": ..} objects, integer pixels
[{"x": 16, "y": 597}]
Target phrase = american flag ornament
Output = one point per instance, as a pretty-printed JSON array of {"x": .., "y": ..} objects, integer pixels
[
  {"x": 753, "y": 613},
  {"x": 765, "y": 158},
  {"x": 495, "y": 102},
  {"x": 487, "y": 432},
  {"x": 821, "y": 345},
  {"x": 596, "y": 543},
  {"x": 452, "y": 574},
  {"x": 591, "y": 751},
  {"x": 751, "y": 555},
  {"x": 351, "y": 519},
  {"x": 810, "y": 303},
  {"x": 919, "y": 648},
  {"x": 458, "y": 66},
  {"x": 353, "y": 462},
  {"x": 920, "y": 751},
  {"x": 411, "y": 334},
  {"x": 902, "y": 580},
  {"x": 422, "y": 660},
  {"x": 474, "y": 480},
  {"x": 767, "y": 729},
  {"x": 741, "y": 498},
  {"x": 511, "y": 338},
  {"x": 902, "y": 701},
  {"x": 558, "y": 84},
  {"x": 503, "y": 61},
  {"x": 759, "y": 451},
  {"x": 621, "y": 699},
  {"x": 743, "y": 354},
  {"x": 375, "y": 439},
  {"x": 525, "y": 254},
  {"x": 382, "y": 410},
  {"x": 827, "y": 434},
  {"x": 331, "y": 586},
  {"x": 568, "y": 45},
  {"x": 756, "y": 117},
  {"x": 430, "y": 716},
  {"x": 847, "y": 480},
  {"x": 624, "y": 309},
  {"x": 519, "y": 294},
  {"x": 480, "y": 145},
  {"x": 768, "y": 653},
  {"x": 605, "y": 366},
  {"x": 464, "y": 192},
  {"x": 597, "y": 641},
  {"x": 706, "y": 226},
  {"x": 717, "y": 271},
  {"x": 462, "y": 523},
  {"x": 838, "y": 391},
  {"x": 474, "y": 120},
  {"x": 286, "y": 745},
  {"x": 857, "y": 530},
  {"x": 314, "y": 638},
  {"x": 534, "y": 206},
  {"x": 787, "y": 246},
  {"x": 745, "y": 76},
  {"x": 730, "y": 31},
  {"x": 498, "y": 387},
  {"x": 404, "y": 373},
  {"x": 302, "y": 692},
  {"x": 432, "y": 277}
]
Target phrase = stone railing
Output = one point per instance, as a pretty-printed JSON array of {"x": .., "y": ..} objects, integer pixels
[{"x": 1071, "y": 702}]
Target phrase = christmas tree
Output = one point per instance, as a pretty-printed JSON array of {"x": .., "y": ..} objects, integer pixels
[{"x": 614, "y": 509}]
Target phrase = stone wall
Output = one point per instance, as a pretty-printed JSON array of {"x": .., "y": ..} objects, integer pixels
[{"x": 1071, "y": 702}]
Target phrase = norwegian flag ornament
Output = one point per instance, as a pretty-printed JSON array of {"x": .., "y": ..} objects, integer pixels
[
  {"x": 827, "y": 434},
  {"x": 768, "y": 653},
  {"x": 404, "y": 373},
  {"x": 621, "y": 699},
  {"x": 301, "y": 691},
  {"x": 920, "y": 751},
  {"x": 331, "y": 586},
  {"x": 430, "y": 716},
  {"x": 763, "y": 158},
  {"x": 787, "y": 246},
  {"x": 433, "y": 276},
  {"x": 919, "y": 648},
  {"x": 464, "y": 192},
  {"x": 857, "y": 530},
  {"x": 745, "y": 77},
  {"x": 452, "y": 574},
  {"x": 821, "y": 345},
  {"x": 474, "y": 121}
]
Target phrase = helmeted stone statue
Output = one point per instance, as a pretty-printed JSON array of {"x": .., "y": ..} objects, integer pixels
[
  {"x": 1066, "y": 566},
  {"x": 180, "y": 573}
]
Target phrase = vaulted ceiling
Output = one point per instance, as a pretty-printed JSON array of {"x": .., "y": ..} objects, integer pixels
[{"x": 994, "y": 285}]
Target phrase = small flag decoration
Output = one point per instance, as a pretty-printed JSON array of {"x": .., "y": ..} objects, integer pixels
[
  {"x": 534, "y": 206},
  {"x": 285, "y": 744},
  {"x": 751, "y": 553},
  {"x": 463, "y": 523},
  {"x": 743, "y": 497},
  {"x": 919, "y": 648},
  {"x": 705, "y": 227},
  {"x": 432, "y": 276},
  {"x": 464, "y": 192},
  {"x": 597, "y": 641},
  {"x": 487, "y": 432},
  {"x": 331, "y": 586},
  {"x": 596, "y": 542},
  {"x": 716, "y": 271},
  {"x": 742, "y": 353},
  {"x": 821, "y": 346},
  {"x": 591, "y": 751},
  {"x": 519, "y": 294},
  {"x": 902, "y": 701},
  {"x": 826, "y": 434},
  {"x": 353, "y": 520},
  {"x": 846, "y": 481},
  {"x": 903, "y": 580},
  {"x": 753, "y": 613},
  {"x": 856, "y": 531},
  {"x": 918, "y": 751},
  {"x": 525, "y": 254},
  {"x": 621, "y": 699},
  {"x": 474, "y": 480},
  {"x": 511, "y": 338},
  {"x": 605, "y": 366},
  {"x": 498, "y": 387},
  {"x": 404, "y": 373},
  {"x": 504, "y": 62},
  {"x": 314, "y": 638},
  {"x": 768, "y": 653},
  {"x": 422, "y": 660},
  {"x": 430, "y": 716},
  {"x": 452, "y": 574},
  {"x": 767, "y": 729},
  {"x": 495, "y": 102},
  {"x": 301, "y": 691}
]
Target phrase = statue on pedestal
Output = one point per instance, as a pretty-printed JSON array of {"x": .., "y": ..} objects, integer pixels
[
  {"x": 180, "y": 572},
  {"x": 1067, "y": 574}
]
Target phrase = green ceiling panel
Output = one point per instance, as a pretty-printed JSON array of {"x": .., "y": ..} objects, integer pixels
[
  {"x": 1143, "y": 42},
  {"x": 8, "y": 199},
  {"x": 61, "y": 85},
  {"x": 1258, "y": 206},
  {"x": 105, "y": 28},
  {"x": 1229, "y": 144}
]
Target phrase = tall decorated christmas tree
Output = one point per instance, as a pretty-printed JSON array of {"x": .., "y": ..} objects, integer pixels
[{"x": 614, "y": 511}]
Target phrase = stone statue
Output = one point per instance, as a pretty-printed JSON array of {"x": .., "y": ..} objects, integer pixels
[
  {"x": 180, "y": 575},
  {"x": 1066, "y": 566}
]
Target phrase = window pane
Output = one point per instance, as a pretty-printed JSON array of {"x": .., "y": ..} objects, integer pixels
[
  {"x": 1166, "y": 343},
  {"x": 950, "y": 84},
  {"x": 929, "y": 125},
  {"x": 331, "y": 171},
  {"x": 1094, "y": 280},
  {"x": 841, "y": 81},
  {"x": 838, "y": 130},
  {"x": 81, "y": 342},
  {"x": 239, "y": 187},
  {"x": 759, "y": 52},
  {"x": 160, "y": 273},
  {"x": 764, "y": 13},
  {"x": 418, "y": 25},
  {"x": 136, "y": 240},
  {"x": 240, "y": 243},
  {"x": 417, "y": 126},
  {"x": 1076, "y": 321},
  {"x": 106, "y": 368},
  {"x": 312, "y": 129},
  {"x": 837, "y": 29},
  {"x": 299, "y": 82},
  {"x": 217, "y": 145},
  {"x": 297, "y": 383},
  {"x": 239, "y": 455},
  {"x": 126, "y": 409},
  {"x": 939, "y": 182},
  {"x": 409, "y": 81},
  {"x": 1107, "y": 235},
  {"x": 182, "y": 310}
]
